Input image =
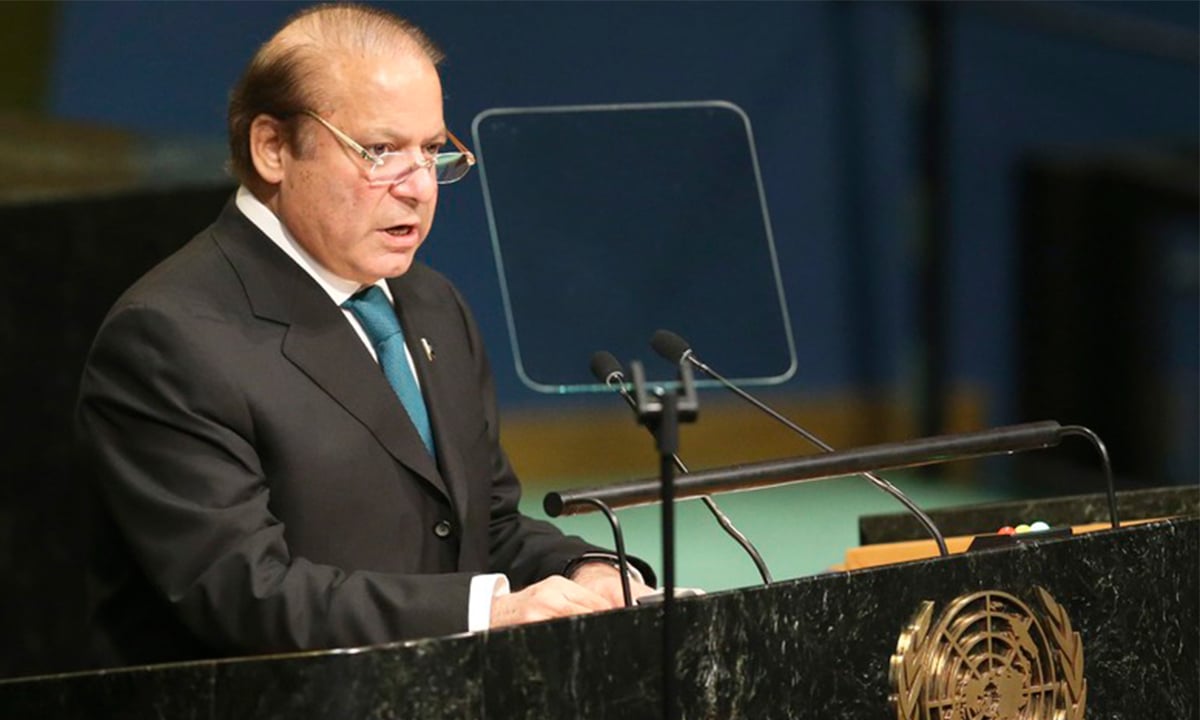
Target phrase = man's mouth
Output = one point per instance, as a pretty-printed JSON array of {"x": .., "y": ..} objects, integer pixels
[{"x": 400, "y": 230}]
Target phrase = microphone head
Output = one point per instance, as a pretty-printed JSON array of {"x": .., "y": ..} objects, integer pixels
[
  {"x": 606, "y": 368},
  {"x": 670, "y": 346}
]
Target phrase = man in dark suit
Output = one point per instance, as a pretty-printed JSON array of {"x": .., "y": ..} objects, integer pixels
[{"x": 266, "y": 486}]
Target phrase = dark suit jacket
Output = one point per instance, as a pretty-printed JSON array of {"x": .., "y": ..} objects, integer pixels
[{"x": 264, "y": 489}]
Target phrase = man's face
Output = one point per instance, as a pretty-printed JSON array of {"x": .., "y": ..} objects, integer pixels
[{"x": 357, "y": 231}]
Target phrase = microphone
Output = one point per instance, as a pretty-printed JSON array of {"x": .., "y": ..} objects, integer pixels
[
  {"x": 676, "y": 350},
  {"x": 607, "y": 369}
]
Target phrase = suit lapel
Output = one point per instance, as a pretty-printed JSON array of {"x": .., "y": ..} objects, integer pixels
[
  {"x": 320, "y": 342},
  {"x": 421, "y": 319}
]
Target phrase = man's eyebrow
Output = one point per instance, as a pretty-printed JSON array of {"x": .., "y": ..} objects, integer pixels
[{"x": 441, "y": 136}]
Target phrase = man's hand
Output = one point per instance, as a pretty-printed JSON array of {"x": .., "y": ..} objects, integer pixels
[
  {"x": 605, "y": 580},
  {"x": 553, "y": 597}
]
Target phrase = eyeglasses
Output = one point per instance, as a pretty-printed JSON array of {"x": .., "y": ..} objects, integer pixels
[{"x": 391, "y": 168}]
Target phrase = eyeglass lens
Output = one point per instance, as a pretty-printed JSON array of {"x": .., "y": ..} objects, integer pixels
[{"x": 448, "y": 167}]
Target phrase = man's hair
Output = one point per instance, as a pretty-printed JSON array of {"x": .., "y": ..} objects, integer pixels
[{"x": 284, "y": 77}]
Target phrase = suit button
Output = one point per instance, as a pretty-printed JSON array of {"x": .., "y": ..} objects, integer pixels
[{"x": 443, "y": 529}]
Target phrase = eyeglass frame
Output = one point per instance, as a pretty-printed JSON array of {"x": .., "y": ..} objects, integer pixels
[{"x": 377, "y": 160}]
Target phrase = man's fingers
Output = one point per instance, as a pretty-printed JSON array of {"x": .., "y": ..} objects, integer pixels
[
  {"x": 603, "y": 578},
  {"x": 551, "y": 598},
  {"x": 578, "y": 594},
  {"x": 556, "y": 593}
]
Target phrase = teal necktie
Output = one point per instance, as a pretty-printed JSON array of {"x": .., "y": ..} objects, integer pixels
[{"x": 373, "y": 311}]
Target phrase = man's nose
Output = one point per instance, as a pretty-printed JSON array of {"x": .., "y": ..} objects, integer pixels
[{"x": 419, "y": 183}]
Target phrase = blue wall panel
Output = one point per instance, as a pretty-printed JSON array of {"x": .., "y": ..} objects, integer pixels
[{"x": 831, "y": 90}]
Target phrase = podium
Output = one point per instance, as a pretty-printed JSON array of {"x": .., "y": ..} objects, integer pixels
[{"x": 883, "y": 642}]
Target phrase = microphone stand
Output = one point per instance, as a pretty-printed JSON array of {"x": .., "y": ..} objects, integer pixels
[
  {"x": 877, "y": 481},
  {"x": 616, "y": 379},
  {"x": 662, "y": 415}
]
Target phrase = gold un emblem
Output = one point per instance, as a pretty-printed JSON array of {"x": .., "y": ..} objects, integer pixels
[{"x": 989, "y": 657}]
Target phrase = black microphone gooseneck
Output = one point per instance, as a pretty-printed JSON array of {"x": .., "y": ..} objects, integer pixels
[
  {"x": 1102, "y": 450},
  {"x": 607, "y": 369},
  {"x": 675, "y": 349}
]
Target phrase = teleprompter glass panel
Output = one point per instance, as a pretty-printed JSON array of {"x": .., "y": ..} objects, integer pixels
[{"x": 610, "y": 222}]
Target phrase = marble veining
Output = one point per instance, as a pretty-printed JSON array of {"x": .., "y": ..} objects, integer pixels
[{"x": 814, "y": 647}]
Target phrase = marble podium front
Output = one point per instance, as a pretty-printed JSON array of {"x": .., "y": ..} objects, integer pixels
[{"x": 814, "y": 647}]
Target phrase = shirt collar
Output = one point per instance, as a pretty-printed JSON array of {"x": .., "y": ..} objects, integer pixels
[{"x": 339, "y": 289}]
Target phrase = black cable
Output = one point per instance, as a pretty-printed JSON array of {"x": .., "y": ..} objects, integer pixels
[
  {"x": 1108, "y": 474},
  {"x": 619, "y": 541}
]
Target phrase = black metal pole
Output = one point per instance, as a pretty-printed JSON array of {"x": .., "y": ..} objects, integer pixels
[
  {"x": 667, "y": 433},
  {"x": 662, "y": 415},
  {"x": 934, "y": 230},
  {"x": 874, "y": 458}
]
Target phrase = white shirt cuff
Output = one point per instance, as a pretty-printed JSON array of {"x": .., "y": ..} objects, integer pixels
[{"x": 479, "y": 599}]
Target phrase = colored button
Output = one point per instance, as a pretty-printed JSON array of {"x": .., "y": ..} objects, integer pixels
[
  {"x": 1038, "y": 526},
  {"x": 1006, "y": 530},
  {"x": 1022, "y": 529}
]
